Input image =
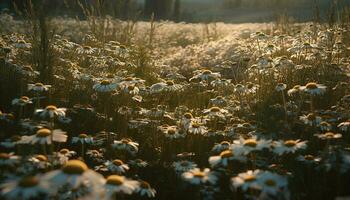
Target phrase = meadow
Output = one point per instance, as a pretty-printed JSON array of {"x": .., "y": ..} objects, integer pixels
[{"x": 108, "y": 109}]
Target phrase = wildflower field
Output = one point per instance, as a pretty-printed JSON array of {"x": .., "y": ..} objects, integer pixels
[{"x": 107, "y": 109}]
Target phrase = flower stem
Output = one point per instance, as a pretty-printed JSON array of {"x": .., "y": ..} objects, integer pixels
[
  {"x": 284, "y": 106},
  {"x": 311, "y": 104}
]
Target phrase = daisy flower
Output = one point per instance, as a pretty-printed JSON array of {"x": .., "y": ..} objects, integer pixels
[
  {"x": 272, "y": 183},
  {"x": 138, "y": 163},
  {"x": 95, "y": 155},
  {"x": 311, "y": 119},
  {"x": 325, "y": 126},
  {"x": 127, "y": 145},
  {"x": 11, "y": 142},
  {"x": 105, "y": 86},
  {"x": 197, "y": 128},
  {"x": 26, "y": 188},
  {"x": 220, "y": 82},
  {"x": 131, "y": 89},
  {"x": 145, "y": 190},
  {"x": 246, "y": 180},
  {"x": 116, "y": 166},
  {"x": 295, "y": 90},
  {"x": 288, "y": 146},
  {"x": 38, "y": 87},
  {"x": 308, "y": 159},
  {"x": 197, "y": 176},
  {"x": 183, "y": 166},
  {"x": 22, "y": 101},
  {"x": 329, "y": 136},
  {"x": 83, "y": 139},
  {"x": 245, "y": 146},
  {"x": 344, "y": 126},
  {"x": 8, "y": 160},
  {"x": 172, "y": 132},
  {"x": 51, "y": 112},
  {"x": 314, "y": 89},
  {"x": 222, "y": 159},
  {"x": 280, "y": 87},
  {"x": 85, "y": 50},
  {"x": 206, "y": 75},
  {"x": 45, "y": 136},
  {"x": 39, "y": 162},
  {"x": 74, "y": 173},
  {"x": 168, "y": 86},
  {"x": 218, "y": 101},
  {"x": 216, "y": 112},
  {"x": 119, "y": 184},
  {"x": 224, "y": 145},
  {"x": 63, "y": 156},
  {"x": 186, "y": 120},
  {"x": 239, "y": 88}
]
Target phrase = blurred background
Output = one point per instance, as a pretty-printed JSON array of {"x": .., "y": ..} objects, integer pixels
[{"x": 236, "y": 11}]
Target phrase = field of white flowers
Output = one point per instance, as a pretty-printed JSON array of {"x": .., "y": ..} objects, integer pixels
[{"x": 109, "y": 109}]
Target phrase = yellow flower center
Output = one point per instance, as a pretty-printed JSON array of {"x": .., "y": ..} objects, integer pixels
[
  {"x": 250, "y": 85},
  {"x": 215, "y": 109},
  {"x": 82, "y": 136},
  {"x": 115, "y": 180},
  {"x": 10, "y": 116},
  {"x": 64, "y": 151},
  {"x": 51, "y": 108},
  {"x": 206, "y": 72},
  {"x": 184, "y": 163},
  {"x": 131, "y": 87},
  {"x": 329, "y": 135},
  {"x": 128, "y": 79},
  {"x": 44, "y": 132},
  {"x": 226, "y": 154},
  {"x": 246, "y": 125},
  {"x": 249, "y": 178},
  {"x": 250, "y": 143},
  {"x": 125, "y": 140},
  {"x": 270, "y": 182},
  {"x": 311, "y": 116},
  {"x": 296, "y": 87},
  {"x": 24, "y": 98},
  {"x": 324, "y": 123},
  {"x": 74, "y": 167},
  {"x": 39, "y": 84},
  {"x": 308, "y": 157},
  {"x": 41, "y": 158},
  {"x": 199, "y": 174},
  {"x": 280, "y": 85},
  {"x": 145, "y": 185},
  {"x": 28, "y": 182},
  {"x": 225, "y": 143},
  {"x": 311, "y": 86},
  {"x": 188, "y": 115},
  {"x": 105, "y": 82},
  {"x": 196, "y": 125},
  {"x": 290, "y": 143},
  {"x": 172, "y": 131},
  {"x": 4, "y": 156},
  {"x": 118, "y": 162},
  {"x": 27, "y": 68},
  {"x": 170, "y": 83},
  {"x": 94, "y": 151},
  {"x": 15, "y": 138}
]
